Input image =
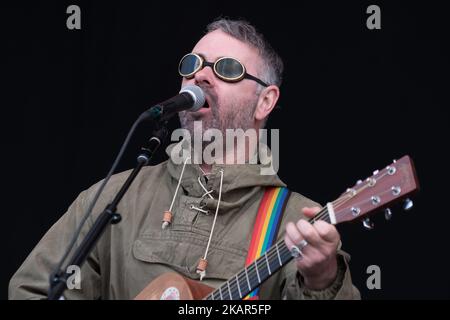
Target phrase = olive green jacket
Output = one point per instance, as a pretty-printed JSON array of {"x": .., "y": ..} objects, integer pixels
[{"x": 132, "y": 253}]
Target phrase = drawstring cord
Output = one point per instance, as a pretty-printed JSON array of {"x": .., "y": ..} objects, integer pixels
[
  {"x": 207, "y": 193},
  {"x": 167, "y": 218},
  {"x": 204, "y": 188},
  {"x": 203, "y": 263},
  {"x": 199, "y": 209}
]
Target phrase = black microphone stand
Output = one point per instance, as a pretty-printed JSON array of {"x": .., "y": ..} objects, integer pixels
[{"x": 58, "y": 280}]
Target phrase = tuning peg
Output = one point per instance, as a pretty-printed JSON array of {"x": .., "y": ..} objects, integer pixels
[
  {"x": 408, "y": 204},
  {"x": 387, "y": 214},
  {"x": 368, "y": 224}
]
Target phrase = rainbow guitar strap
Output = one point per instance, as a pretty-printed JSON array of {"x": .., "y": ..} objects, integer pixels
[{"x": 267, "y": 224}]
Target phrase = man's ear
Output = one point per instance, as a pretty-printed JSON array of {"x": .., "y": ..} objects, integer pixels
[{"x": 266, "y": 102}]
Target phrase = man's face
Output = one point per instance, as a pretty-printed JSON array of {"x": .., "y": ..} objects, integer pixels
[{"x": 228, "y": 105}]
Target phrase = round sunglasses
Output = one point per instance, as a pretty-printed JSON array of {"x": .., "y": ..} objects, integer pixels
[{"x": 226, "y": 68}]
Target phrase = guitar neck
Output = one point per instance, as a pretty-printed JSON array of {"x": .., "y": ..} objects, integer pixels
[{"x": 256, "y": 273}]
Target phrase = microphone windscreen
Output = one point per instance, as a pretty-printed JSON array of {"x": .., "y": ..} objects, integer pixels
[{"x": 197, "y": 94}]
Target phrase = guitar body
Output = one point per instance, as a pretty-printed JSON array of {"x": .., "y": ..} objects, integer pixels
[{"x": 172, "y": 286}]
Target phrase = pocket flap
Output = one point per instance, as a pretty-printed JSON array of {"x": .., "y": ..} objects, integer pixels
[{"x": 181, "y": 251}]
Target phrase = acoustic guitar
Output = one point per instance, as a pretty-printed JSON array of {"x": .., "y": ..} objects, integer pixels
[{"x": 396, "y": 182}]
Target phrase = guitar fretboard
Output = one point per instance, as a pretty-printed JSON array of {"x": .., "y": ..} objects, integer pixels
[{"x": 259, "y": 271}]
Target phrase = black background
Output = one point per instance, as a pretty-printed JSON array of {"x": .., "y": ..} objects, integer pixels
[{"x": 352, "y": 100}]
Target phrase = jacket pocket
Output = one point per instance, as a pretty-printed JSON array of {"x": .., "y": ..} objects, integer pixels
[{"x": 181, "y": 251}]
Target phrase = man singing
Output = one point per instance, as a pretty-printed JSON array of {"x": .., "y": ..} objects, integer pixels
[{"x": 198, "y": 219}]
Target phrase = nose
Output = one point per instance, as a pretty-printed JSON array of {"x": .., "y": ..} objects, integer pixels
[{"x": 205, "y": 77}]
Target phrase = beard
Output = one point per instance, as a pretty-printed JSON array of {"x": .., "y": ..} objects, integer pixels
[{"x": 230, "y": 114}]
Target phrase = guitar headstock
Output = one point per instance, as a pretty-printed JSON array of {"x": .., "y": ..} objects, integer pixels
[{"x": 394, "y": 183}]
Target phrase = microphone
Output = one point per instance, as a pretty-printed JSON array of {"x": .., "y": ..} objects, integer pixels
[{"x": 191, "y": 98}]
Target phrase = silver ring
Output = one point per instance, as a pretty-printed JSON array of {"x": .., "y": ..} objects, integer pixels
[
  {"x": 296, "y": 252},
  {"x": 303, "y": 244}
]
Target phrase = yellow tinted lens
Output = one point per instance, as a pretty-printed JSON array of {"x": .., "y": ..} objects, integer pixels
[
  {"x": 189, "y": 64},
  {"x": 229, "y": 69}
]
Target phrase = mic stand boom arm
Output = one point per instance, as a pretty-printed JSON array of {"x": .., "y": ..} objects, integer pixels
[{"x": 58, "y": 280}]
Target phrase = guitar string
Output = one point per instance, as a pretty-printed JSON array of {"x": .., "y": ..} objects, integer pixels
[
  {"x": 250, "y": 272},
  {"x": 350, "y": 196},
  {"x": 284, "y": 252},
  {"x": 363, "y": 201}
]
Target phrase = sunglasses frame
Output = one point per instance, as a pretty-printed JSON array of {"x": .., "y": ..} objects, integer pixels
[{"x": 204, "y": 63}]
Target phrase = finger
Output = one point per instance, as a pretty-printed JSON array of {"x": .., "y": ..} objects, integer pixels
[
  {"x": 310, "y": 212},
  {"x": 293, "y": 233},
  {"x": 288, "y": 241},
  {"x": 327, "y": 232},
  {"x": 309, "y": 233},
  {"x": 305, "y": 261}
]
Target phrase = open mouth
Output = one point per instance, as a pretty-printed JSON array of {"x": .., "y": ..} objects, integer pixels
[{"x": 206, "y": 105}]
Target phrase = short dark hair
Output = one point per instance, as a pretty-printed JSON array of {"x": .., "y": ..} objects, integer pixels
[{"x": 272, "y": 69}]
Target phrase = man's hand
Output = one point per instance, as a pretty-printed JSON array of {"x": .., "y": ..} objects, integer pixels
[{"x": 317, "y": 263}]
